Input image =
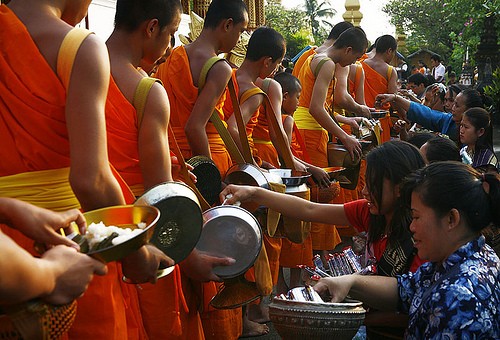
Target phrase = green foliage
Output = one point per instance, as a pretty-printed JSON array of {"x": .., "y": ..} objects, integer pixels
[
  {"x": 317, "y": 13},
  {"x": 296, "y": 32},
  {"x": 447, "y": 27},
  {"x": 493, "y": 90}
]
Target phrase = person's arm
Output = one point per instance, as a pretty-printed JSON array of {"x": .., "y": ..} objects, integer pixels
[
  {"x": 318, "y": 111},
  {"x": 154, "y": 153},
  {"x": 40, "y": 224},
  {"x": 380, "y": 292},
  {"x": 342, "y": 96},
  {"x": 90, "y": 175},
  {"x": 288, "y": 205},
  {"x": 58, "y": 277},
  {"x": 195, "y": 129},
  {"x": 392, "y": 82},
  {"x": 360, "y": 90},
  {"x": 288, "y": 127}
]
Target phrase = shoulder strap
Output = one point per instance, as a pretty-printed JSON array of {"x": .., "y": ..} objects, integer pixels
[
  {"x": 249, "y": 93},
  {"x": 204, "y": 71},
  {"x": 319, "y": 66},
  {"x": 389, "y": 72},
  {"x": 141, "y": 96},
  {"x": 67, "y": 53}
]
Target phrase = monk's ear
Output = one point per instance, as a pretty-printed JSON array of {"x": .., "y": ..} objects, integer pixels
[
  {"x": 348, "y": 49},
  {"x": 151, "y": 26},
  {"x": 227, "y": 24},
  {"x": 285, "y": 95}
]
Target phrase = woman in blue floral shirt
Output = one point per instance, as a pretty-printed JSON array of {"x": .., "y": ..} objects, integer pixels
[{"x": 457, "y": 294}]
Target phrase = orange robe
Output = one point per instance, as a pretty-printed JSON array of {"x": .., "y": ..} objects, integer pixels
[
  {"x": 176, "y": 76},
  {"x": 324, "y": 236},
  {"x": 376, "y": 83},
  {"x": 300, "y": 62},
  {"x": 164, "y": 313},
  {"x": 34, "y": 137},
  {"x": 293, "y": 254}
]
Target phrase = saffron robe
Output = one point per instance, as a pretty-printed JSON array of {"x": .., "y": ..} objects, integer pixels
[
  {"x": 300, "y": 62},
  {"x": 34, "y": 137},
  {"x": 168, "y": 310}
]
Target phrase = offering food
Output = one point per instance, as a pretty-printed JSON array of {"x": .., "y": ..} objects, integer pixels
[{"x": 99, "y": 236}]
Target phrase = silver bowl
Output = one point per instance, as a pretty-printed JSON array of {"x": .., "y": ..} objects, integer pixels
[{"x": 312, "y": 320}]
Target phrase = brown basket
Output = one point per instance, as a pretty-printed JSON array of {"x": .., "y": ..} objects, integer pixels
[{"x": 37, "y": 320}]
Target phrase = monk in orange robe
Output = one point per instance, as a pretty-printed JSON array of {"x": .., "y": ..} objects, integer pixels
[
  {"x": 193, "y": 99},
  {"x": 300, "y": 62},
  {"x": 380, "y": 77},
  {"x": 53, "y": 141},
  {"x": 313, "y": 120}
]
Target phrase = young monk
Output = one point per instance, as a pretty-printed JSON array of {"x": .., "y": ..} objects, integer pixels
[
  {"x": 138, "y": 147},
  {"x": 192, "y": 103},
  {"x": 54, "y": 151},
  {"x": 313, "y": 120}
]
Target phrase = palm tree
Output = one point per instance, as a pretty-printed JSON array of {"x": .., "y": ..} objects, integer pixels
[{"x": 318, "y": 12}]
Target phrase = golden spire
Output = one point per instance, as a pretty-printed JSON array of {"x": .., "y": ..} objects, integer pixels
[{"x": 352, "y": 13}]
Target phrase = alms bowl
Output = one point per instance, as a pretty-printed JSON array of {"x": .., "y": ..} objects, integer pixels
[{"x": 124, "y": 216}]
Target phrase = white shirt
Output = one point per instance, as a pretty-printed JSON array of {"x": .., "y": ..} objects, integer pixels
[{"x": 438, "y": 72}]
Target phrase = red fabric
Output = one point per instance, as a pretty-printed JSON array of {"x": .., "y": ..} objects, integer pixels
[{"x": 358, "y": 214}]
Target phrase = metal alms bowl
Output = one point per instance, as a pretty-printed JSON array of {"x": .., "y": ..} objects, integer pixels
[
  {"x": 313, "y": 320},
  {"x": 180, "y": 223},
  {"x": 246, "y": 174},
  {"x": 291, "y": 177},
  {"x": 124, "y": 216},
  {"x": 231, "y": 231}
]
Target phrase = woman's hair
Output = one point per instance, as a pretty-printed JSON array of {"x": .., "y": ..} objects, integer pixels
[
  {"x": 443, "y": 186},
  {"x": 480, "y": 119},
  {"x": 392, "y": 160},
  {"x": 455, "y": 89},
  {"x": 442, "y": 149},
  {"x": 472, "y": 98},
  {"x": 420, "y": 138}
]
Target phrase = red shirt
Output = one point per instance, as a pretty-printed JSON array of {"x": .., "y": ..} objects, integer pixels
[{"x": 358, "y": 214}]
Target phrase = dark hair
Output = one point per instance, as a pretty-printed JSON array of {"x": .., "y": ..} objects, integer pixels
[
  {"x": 436, "y": 57},
  {"x": 393, "y": 160},
  {"x": 455, "y": 89},
  {"x": 418, "y": 78},
  {"x": 472, "y": 98},
  {"x": 289, "y": 83},
  {"x": 480, "y": 119},
  {"x": 130, "y": 14},
  {"x": 220, "y": 10},
  {"x": 386, "y": 42},
  {"x": 442, "y": 90},
  {"x": 353, "y": 37},
  {"x": 420, "y": 138},
  {"x": 443, "y": 186},
  {"x": 265, "y": 42},
  {"x": 442, "y": 149},
  {"x": 338, "y": 29},
  {"x": 430, "y": 79}
]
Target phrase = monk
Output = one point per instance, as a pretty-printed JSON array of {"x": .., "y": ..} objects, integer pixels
[
  {"x": 138, "y": 147},
  {"x": 380, "y": 77},
  {"x": 54, "y": 150},
  {"x": 192, "y": 104}
]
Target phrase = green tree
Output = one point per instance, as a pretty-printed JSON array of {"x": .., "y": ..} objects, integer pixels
[
  {"x": 447, "y": 27},
  {"x": 296, "y": 32},
  {"x": 317, "y": 13}
]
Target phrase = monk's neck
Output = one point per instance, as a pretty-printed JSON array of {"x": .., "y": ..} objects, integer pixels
[
  {"x": 248, "y": 72},
  {"x": 125, "y": 46},
  {"x": 209, "y": 42}
]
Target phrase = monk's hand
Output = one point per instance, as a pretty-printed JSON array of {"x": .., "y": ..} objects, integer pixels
[
  {"x": 364, "y": 111},
  {"x": 321, "y": 176},
  {"x": 143, "y": 265},
  {"x": 199, "y": 265},
  {"x": 382, "y": 99},
  {"x": 42, "y": 225},
  {"x": 266, "y": 165},
  {"x": 299, "y": 166},
  {"x": 334, "y": 289},
  {"x": 72, "y": 271},
  {"x": 237, "y": 193},
  {"x": 353, "y": 146}
]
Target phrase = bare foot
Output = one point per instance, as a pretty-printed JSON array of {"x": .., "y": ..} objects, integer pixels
[
  {"x": 259, "y": 313},
  {"x": 251, "y": 328}
]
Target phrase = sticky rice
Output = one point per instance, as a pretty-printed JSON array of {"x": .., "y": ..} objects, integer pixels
[{"x": 98, "y": 232}]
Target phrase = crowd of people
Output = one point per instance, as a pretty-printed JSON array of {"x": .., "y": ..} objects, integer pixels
[{"x": 85, "y": 124}]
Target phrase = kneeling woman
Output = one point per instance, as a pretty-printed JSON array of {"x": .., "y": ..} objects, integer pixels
[{"x": 457, "y": 294}]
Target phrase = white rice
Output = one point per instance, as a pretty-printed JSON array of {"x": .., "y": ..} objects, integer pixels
[{"x": 98, "y": 232}]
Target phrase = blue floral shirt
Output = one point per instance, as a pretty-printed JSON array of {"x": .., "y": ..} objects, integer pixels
[{"x": 463, "y": 302}]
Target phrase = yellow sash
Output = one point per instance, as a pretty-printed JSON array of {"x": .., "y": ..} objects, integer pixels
[
  {"x": 262, "y": 141},
  {"x": 304, "y": 120},
  {"x": 49, "y": 189}
]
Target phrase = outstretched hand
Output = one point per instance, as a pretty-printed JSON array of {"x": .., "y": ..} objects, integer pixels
[
  {"x": 199, "y": 265},
  {"x": 237, "y": 193},
  {"x": 334, "y": 289}
]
